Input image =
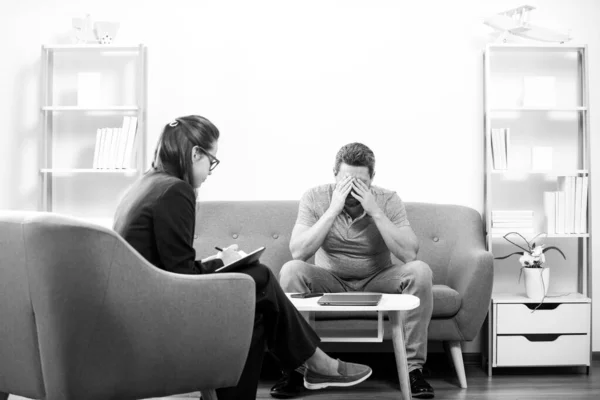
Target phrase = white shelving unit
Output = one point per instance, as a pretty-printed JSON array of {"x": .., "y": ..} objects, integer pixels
[
  {"x": 69, "y": 184},
  {"x": 559, "y": 331}
]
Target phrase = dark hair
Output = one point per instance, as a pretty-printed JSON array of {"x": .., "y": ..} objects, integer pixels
[
  {"x": 357, "y": 155},
  {"x": 173, "y": 153}
]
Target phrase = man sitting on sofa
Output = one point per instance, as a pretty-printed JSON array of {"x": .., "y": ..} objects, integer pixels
[{"x": 351, "y": 227}]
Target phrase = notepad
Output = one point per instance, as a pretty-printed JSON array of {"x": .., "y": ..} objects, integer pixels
[{"x": 249, "y": 258}]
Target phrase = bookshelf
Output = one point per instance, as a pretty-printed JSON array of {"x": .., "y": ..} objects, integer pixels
[
  {"x": 535, "y": 141},
  {"x": 73, "y": 180}
]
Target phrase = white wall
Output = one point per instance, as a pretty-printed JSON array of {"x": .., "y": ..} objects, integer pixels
[{"x": 289, "y": 82}]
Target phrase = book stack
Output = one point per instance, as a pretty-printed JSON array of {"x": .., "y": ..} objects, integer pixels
[
  {"x": 505, "y": 221},
  {"x": 566, "y": 208},
  {"x": 500, "y": 144},
  {"x": 114, "y": 146}
]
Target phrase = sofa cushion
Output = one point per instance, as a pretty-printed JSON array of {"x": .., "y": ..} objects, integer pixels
[{"x": 446, "y": 303}]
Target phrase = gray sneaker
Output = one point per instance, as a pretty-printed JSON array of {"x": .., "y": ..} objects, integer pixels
[{"x": 349, "y": 375}]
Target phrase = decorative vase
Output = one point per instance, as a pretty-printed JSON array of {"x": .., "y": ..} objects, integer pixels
[{"x": 536, "y": 282}]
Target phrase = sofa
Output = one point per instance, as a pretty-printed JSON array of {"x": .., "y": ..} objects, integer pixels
[
  {"x": 451, "y": 241},
  {"x": 84, "y": 316}
]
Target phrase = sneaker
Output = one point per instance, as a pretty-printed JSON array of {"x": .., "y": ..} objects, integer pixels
[
  {"x": 419, "y": 387},
  {"x": 349, "y": 375}
]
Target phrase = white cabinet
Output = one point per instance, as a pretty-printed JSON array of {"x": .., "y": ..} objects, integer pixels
[
  {"x": 86, "y": 88},
  {"x": 523, "y": 333},
  {"x": 536, "y": 138}
]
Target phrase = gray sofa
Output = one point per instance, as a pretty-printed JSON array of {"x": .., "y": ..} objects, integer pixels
[{"x": 451, "y": 241}]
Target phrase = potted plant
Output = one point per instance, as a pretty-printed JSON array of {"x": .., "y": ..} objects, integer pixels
[{"x": 537, "y": 277}]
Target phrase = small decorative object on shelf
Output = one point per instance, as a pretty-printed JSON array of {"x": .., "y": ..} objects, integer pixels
[
  {"x": 82, "y": 30},
  {"x": 106, "y": 31},
  {"x": 537, "y": 277},
  {"x": 86, "y": 32},
  {"x": 515, "y": 22}
]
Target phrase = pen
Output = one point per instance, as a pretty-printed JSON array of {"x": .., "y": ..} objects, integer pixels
[{"x": 218, "y": 248}]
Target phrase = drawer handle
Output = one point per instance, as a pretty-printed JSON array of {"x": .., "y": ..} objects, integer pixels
[
  {"x": 543, "y": 306},
  {"x": 541, "y": 337}
]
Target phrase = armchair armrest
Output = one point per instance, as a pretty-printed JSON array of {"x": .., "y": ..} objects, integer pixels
[
  {"x": 109, "y": 321},
  {"x": 471, "y": 274}
]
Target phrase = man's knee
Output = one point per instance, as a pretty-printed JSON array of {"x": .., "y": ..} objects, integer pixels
[
  {"x": 420, "y": 272},
  {"x": 293, "y": 271}
]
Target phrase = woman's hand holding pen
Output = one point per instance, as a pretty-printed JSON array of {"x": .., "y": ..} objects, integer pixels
[{"x": 229, "y": 254}]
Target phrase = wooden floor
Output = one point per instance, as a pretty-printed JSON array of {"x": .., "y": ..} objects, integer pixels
[{"x": 513, "y": 384}]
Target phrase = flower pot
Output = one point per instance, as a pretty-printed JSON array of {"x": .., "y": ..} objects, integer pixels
[{"x": 537, "y": 281}]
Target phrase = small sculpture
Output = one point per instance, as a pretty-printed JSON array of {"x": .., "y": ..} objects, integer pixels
[{"x": 516, "y": 22}]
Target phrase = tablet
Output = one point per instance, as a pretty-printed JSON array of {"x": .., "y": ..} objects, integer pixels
[
  {"x": 350, "y": 299},
  {"x": 247, "y": 259}
]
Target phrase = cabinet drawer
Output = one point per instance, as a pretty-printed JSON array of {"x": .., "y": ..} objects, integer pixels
[
  {"x": 564, "y": 318},
  {"x": 563, "y": 350}
]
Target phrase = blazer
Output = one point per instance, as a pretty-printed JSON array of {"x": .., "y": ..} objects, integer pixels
[{"x": 157, "y": 217}]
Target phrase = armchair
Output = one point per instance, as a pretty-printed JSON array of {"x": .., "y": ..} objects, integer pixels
[{"x": 84, "y": 316}]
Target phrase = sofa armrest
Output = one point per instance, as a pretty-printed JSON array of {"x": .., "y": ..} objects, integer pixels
[{"x": 471, "y": 274}]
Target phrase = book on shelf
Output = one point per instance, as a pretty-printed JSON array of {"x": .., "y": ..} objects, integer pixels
[
  {"x": 584, "y": 204},
  {"x": 512, "y": 224},
  {"x": 95, "y": 163},
  {"x": 577, "y": 205},
  {"x": 115, "y": 146},
  {"x": 513, "y": 213},
  {"x": 566, "y": 184},
  {"x": 505, "y": 221},
  {"x": 574, "y": 190},
  {"x": 500, "y": 145},
  {"x": 120, "y": 154},
  {"x": 128, "y": 160}
]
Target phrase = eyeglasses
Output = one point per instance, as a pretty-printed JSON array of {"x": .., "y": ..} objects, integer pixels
[{"x": 214, "y": 161}]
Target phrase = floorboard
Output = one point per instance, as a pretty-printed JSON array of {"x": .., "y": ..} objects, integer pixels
[{"x": 506, "y": 384}]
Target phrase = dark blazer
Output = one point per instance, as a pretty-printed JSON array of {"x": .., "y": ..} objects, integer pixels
[{"x": 157, "y": 217}]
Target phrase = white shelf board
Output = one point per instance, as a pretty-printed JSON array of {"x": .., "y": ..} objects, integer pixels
[
  {"x": 533, "y": 47},
  {"x": 562, "y": 297},
  {"x": 127, "y": 171},
  {"x": 543, "y": 172},
  {"x": 92, "y": 47},
  {"x": 543, "y": 109},
  {"x": 550, "y": 235},
  {"x": 98, "y": 108}
]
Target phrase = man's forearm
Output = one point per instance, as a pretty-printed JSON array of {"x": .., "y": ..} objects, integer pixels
[
  {"x": 402, "y": 245},
  {"x": 306, "y": 244}
]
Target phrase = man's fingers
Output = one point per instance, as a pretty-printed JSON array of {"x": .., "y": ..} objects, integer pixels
[
  {"x": 343, "y": 188},
  {"x": 356, "y": 196},
  {"x": 362, "y": 185},
  {"x": 347, "y": 190},
  {"x": 358, "y": 188}
]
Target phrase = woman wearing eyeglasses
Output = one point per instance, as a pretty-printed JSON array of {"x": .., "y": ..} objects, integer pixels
[{"x": 157, "y": 217}]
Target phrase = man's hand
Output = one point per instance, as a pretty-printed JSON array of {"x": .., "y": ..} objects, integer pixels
[
  {"x": 230, "y": 254},
  {"x": 338, "y": 199},
  {"x": 363, "y": 194}
]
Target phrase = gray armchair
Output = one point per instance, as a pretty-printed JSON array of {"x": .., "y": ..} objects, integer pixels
[{"x": 84, "y": 316}]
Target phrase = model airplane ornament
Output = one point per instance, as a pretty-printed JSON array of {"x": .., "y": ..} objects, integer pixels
[{"x": 516, "y": 22}]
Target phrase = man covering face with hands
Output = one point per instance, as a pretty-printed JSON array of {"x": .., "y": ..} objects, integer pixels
[{"x": 352, "y": 228}]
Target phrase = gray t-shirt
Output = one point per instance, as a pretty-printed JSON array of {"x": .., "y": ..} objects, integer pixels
[{"x": 353, "y": 249}]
